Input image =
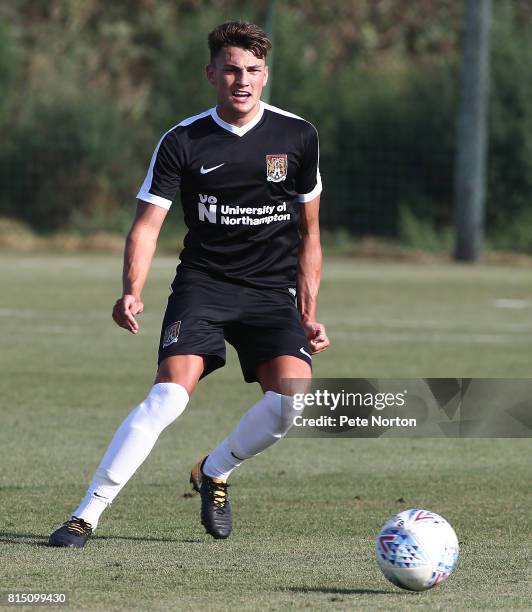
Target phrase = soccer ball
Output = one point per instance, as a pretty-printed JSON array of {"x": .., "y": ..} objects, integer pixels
[{"x": 417, "y": 549}]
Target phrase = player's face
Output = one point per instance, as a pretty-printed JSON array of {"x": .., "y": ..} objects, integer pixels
[{"x": 239, "y": 78}]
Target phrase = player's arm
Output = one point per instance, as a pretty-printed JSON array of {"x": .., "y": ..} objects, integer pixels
[
  {"x": 309, "y": 274},
  {"x": 138, "y": 254}
]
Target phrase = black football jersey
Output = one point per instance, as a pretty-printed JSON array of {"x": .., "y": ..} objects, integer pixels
[{"x": 241, "y": 189}]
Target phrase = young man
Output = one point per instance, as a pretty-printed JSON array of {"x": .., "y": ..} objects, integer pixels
[{"x": 250, "y": 187}]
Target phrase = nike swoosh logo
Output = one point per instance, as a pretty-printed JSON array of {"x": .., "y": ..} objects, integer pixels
[
  {"x": 302, "y": 350},
  {"x": 207, "y": 170}
]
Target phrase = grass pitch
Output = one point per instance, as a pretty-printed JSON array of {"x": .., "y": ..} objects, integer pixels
[{"x": 307, "y": 510}]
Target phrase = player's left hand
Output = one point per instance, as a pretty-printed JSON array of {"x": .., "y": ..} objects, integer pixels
[{"x": 316, "y": 335}]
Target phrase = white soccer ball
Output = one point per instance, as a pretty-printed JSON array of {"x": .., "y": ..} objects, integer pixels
[{"x": 417, "y": 549}]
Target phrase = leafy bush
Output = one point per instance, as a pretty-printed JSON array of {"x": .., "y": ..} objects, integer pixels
[
  {"x": 420, "y": 233},
  {"x": 392, "y": 144},
  {"x": 9, "y": 65},
  {"x": 67, "y": 161},
  {"x": 509, "y": 188}
]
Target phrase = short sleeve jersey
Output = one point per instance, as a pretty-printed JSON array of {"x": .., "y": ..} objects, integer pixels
[{"x": 241, "y": 189}]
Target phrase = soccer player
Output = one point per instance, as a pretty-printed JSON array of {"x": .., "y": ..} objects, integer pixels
[{"x": 250, "y": 271}]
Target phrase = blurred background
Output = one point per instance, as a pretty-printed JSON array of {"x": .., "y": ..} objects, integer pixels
[{"x": 89, "y": 86}]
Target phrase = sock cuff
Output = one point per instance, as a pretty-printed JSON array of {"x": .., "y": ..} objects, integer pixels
[
  {"x": 272, "y": 394},
  {"x": 162, "y": 390},
  {"x": 282, "y": 404}
]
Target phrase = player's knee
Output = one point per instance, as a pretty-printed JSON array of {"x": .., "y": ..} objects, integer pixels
[
  {"x": 164, "y": 403},
  {"x": 289, "y": 411},
  {"x": 184, "y": 370},
  {"x": 283, "y": 410}
]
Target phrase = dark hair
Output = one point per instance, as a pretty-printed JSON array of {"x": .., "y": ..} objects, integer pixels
[{"x": 239, "y": 34}]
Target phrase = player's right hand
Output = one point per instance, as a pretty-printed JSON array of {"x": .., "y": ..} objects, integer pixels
[{"x": 125, "y": 310}]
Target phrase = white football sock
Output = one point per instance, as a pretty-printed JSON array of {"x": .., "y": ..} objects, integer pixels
[
  {"x": 130, "y": 446},
  {"x": 263, "y": 424}
]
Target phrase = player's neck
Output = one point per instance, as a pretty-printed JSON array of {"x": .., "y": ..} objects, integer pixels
[{"x": 238, "y": 120}]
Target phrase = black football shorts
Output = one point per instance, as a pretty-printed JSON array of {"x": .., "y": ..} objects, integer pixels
[{"x": 203, "y": 311}]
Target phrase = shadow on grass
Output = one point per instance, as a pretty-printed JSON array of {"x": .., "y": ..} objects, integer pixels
[
  {"x": 143, "y": 539},
  {"x": 31, "y": 539},
  {"x": 37, "y": 539},
  {"x": 332, "y": 591}
]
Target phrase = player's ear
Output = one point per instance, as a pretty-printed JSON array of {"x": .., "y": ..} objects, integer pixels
[
  {"x": 209, "y": 71},
  {"x": 265, "y": 79}
]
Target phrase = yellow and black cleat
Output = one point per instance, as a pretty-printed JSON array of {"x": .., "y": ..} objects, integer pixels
[
  {"x": 216, "y": 515},
  {"x": 73, "y": 534}
]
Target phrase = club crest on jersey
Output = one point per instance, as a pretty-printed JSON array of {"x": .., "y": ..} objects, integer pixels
[
  {"x": 171, "y": 334},
  {"x": 276, "y": 167}
]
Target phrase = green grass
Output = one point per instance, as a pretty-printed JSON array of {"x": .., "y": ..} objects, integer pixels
[{"x": 306, "y": 511}]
